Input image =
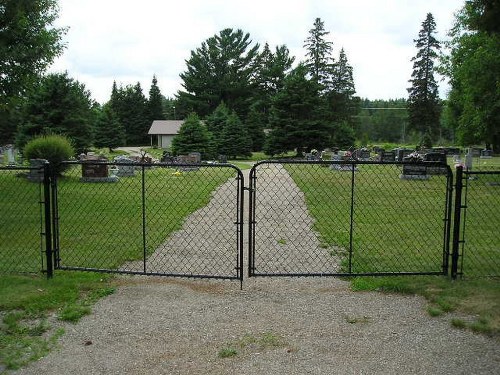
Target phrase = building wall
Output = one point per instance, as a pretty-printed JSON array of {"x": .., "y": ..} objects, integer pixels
[{"x": 165, "y": 141}]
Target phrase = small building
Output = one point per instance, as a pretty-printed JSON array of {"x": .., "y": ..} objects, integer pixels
[{"x": 164, "y": 131}]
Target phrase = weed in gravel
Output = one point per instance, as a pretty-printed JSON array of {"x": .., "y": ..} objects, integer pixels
[
  {"x": 434, "y": 311},
  {"x": 227, "y": 352},
  {"x": 253, "y": 343}
]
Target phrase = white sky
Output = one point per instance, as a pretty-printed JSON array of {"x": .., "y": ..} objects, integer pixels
[{"x": 129, "y": 40}]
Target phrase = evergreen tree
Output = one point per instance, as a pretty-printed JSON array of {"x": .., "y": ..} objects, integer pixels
[
  {"x": 255, "y": 124},
  {"x": 221, "y": 70},
  {"x": 340, "y": 92},
  {"x": 319, "y": 53},
  {"x": 108, "y": 130},
  {"x": 297, "y": 117},
  {"x": 217, "y": 120},
  {"x": 234, "y": 140},
  {"x": 59, "y": 105},
  {"x": 130, "y": 106},
  {"x": 424, "y": 107},
  {"x": 273, "y": 67},
  {"x": 193, "y": 136},
  {"x": 155, "y": 103}
]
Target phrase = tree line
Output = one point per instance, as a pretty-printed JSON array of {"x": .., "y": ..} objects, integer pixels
[{"x": 240, "y": 97}]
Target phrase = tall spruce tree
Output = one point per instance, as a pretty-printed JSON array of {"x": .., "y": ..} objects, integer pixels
[
  {"x": 424, "y": 107},
  {"x": 130, "y": 106},
  {"x": 319, "y": 59},
  {"x": 155, "y": 102},
  {"x": 234, "y": 140},
  {"x": 273, "y": 67}
]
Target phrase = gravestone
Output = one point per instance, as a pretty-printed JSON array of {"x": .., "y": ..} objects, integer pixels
[
  {"x": 222, "y": 159},
  {"x": 11, "y": 156},
  {"x": 95, "y": 169},
  {"x": 401, "y": 153},
  {"x": 125, "y": 169},
  {"x": 436, "y": 157},
  {"x": 387, "y": 156},
  {"x": 414, "y": 172},
  {"x": 341, "y": 166},
  {"x": 469, "y": 159},
  {"x": 187, "y": 160},
  {"x": 362, "y": 154},
  {"x": 486, "y": 154},
  {"x": 167, "y": 157},
  {"x": 196, "y": 157}
]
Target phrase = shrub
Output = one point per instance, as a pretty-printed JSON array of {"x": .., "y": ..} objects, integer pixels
[{"x": 54, "y": 148}]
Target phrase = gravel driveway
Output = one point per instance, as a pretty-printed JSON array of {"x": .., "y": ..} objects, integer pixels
[{"x": 272, "y": 326}]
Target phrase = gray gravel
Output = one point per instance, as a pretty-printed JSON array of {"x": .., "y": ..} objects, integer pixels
[
  {"x": 273, "y": 326},
  {"x": 319, "y": 325}
]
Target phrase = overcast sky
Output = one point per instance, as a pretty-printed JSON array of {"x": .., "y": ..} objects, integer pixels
[{"x": 128, "y": 41}]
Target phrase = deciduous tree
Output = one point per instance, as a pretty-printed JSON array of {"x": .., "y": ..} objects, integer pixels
[
  {"x": 28, "y": 45},
  {"x": 473, "y": 67}
]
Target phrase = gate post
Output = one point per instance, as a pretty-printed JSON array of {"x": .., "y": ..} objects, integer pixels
[
  {"x": 456, "y": 222},
  {"x": 48, "y": 220}
]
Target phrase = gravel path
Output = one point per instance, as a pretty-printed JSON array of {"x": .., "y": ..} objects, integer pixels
[{"x": 272, "y": 326}]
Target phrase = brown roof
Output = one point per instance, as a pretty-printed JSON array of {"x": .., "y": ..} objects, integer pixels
[{"x": 165, "y": 127}]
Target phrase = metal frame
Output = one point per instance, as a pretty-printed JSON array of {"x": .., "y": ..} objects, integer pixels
[
  {"x": 58, "y": 253},
  {"x": 254, "y": 188}
]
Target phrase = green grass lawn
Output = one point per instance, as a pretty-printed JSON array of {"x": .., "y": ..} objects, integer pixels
[
  {"x": 397, "y": 224},
  {"x": 101, "y": 224}
]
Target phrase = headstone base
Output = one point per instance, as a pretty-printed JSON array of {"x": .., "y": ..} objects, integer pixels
[{"x": 100, "y": 179}]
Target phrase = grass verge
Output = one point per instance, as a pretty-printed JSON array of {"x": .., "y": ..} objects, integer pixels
[
  {"x": 478, "y": 300},
  {"x": 31, "y": 307}
]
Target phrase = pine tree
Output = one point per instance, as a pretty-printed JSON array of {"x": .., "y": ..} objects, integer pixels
[
  {"x": 297, "y": 118},
  {"x": 235, "y": 140},
  {"x": 217, "y": 119},
  {"x": 155, "y": 102},
  {"x": 129, "y": 105},
  {"x": 58, "y": 105},
  {"x": 221, "y": 70},
  {"x": 424, "y": 107},
  {"x": 108, "y": 131},
  {"x": 193, "y": 136},
  {"x": 319, "y": 60}
]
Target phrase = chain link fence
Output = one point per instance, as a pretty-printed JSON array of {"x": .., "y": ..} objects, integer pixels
[
  {"x": 480, "y": 236},
  {"x": 305, "y": 218},
  {"x": 345, "y": 218},
  {"x": 162, "y": 219},
  {"x": 22, "y": 220}
]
